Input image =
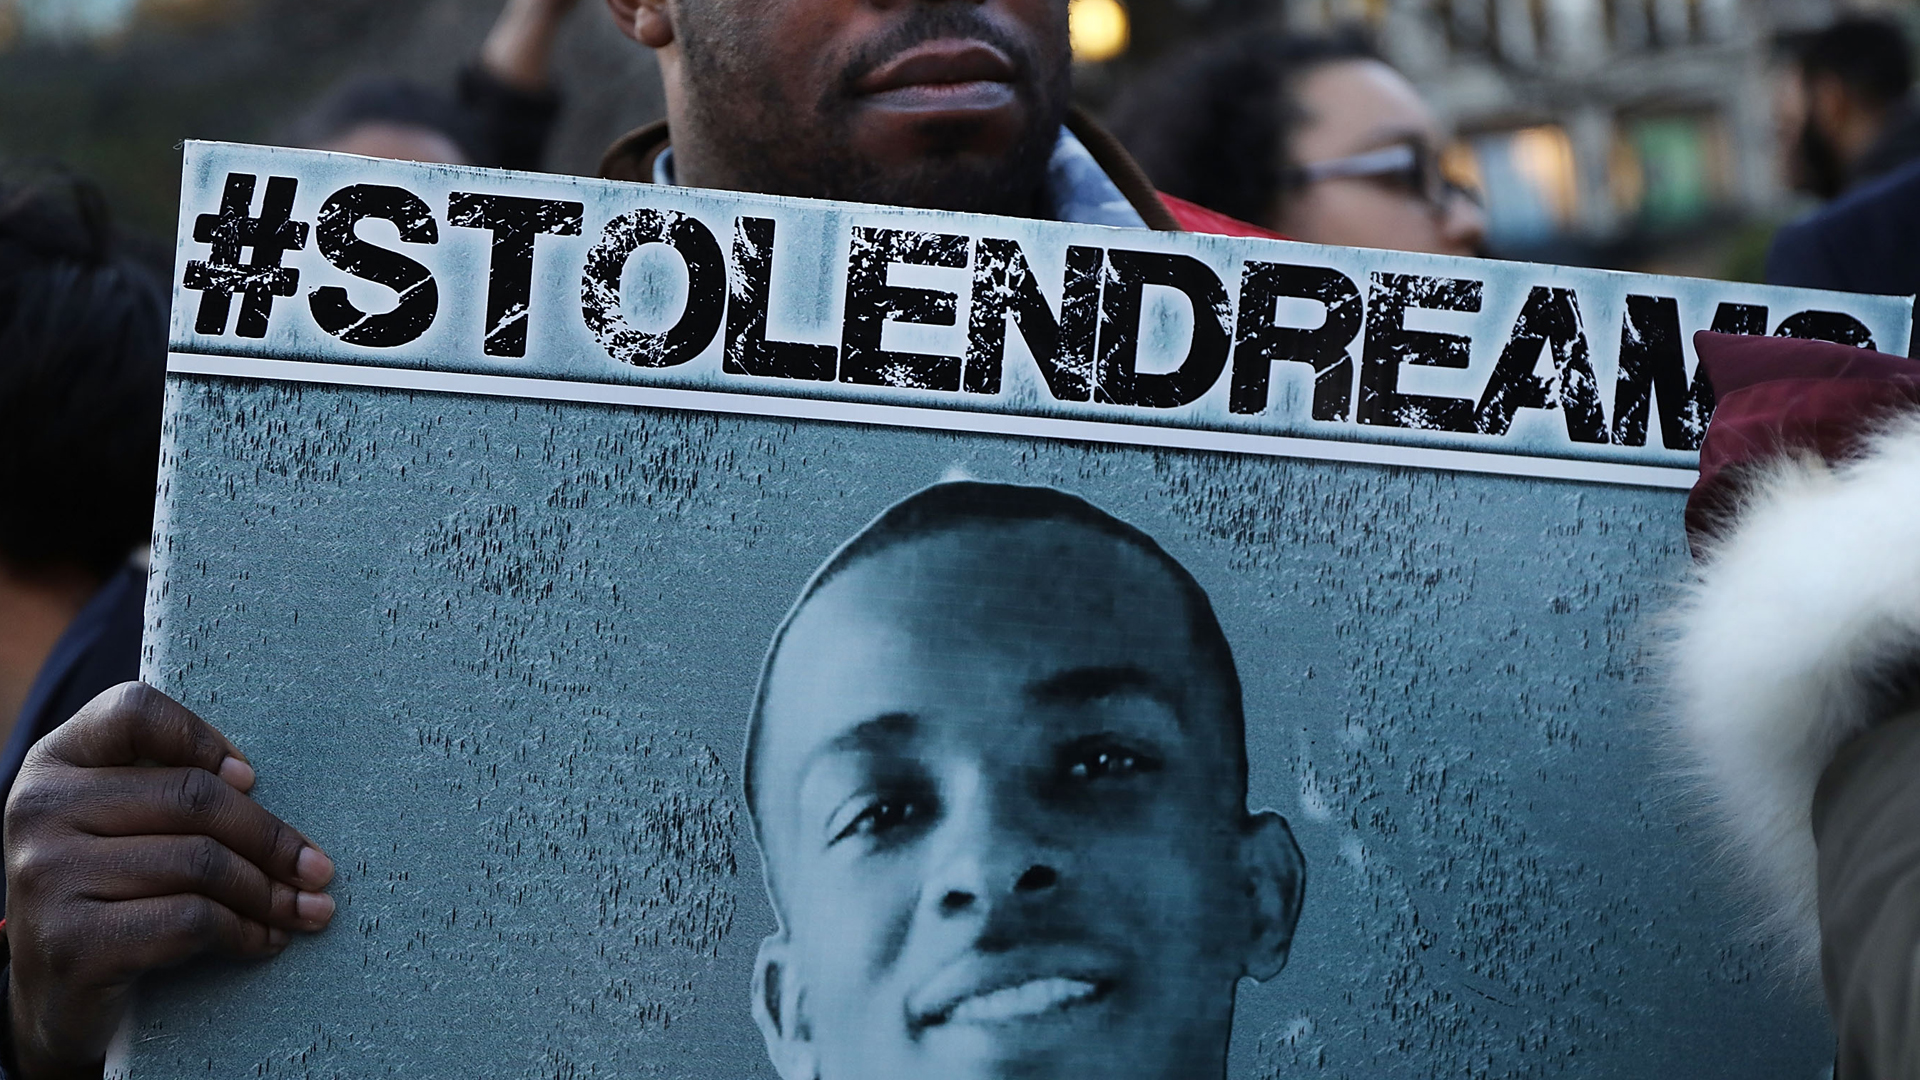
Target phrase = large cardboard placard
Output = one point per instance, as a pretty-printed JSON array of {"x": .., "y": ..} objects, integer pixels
[{"x": 485, "y": 495}]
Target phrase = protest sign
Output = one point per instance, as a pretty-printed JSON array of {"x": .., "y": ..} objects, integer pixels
[{"x": 488, "y": 498}]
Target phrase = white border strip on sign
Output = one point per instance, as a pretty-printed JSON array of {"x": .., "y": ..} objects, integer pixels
[{"x": 981, "y": 423}]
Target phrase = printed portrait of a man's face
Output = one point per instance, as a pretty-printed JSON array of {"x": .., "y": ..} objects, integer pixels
[{"x": 997, "y": 770}]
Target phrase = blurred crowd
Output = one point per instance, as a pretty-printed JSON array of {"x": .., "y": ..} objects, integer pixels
[
  {"x": 1851, "y": 132},
  {"x": 1313, "y": 137}
]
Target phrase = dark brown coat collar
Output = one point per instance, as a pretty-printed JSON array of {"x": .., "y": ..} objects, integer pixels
[{"x": 632, "y": 158}]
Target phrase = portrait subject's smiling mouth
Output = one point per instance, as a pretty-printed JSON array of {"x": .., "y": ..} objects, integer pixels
[
  {"x": 1018, "y": 1002},
  {"x": 995, "y": 992}
]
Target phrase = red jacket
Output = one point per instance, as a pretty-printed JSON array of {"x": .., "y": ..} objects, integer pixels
[{"x": 1196, "y": 218}]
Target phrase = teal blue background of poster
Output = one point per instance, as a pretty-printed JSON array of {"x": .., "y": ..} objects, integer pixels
[{"x": 497, "y": 655}]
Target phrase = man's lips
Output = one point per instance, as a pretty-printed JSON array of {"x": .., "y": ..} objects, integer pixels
[
  {"x": 992, "y": 994},
  {"x": 941, "y": 75},
  {"x": 1022, "y": 1000}
]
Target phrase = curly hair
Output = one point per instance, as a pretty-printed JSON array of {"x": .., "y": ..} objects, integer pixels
[
  {"x": 83, "y": 349},
  {"x": 1213, "y": 124}
]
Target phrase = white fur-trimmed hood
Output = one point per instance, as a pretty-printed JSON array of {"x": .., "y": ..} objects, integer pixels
[{"x": 1796, "y": 617}]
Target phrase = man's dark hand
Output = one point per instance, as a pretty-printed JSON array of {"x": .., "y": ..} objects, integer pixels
[{"x": 131, "y": 845}]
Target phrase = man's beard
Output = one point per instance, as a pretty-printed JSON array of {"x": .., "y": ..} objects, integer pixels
[
  {"x": 769, "y": 144},
  {"x": 1818, "y": 168}
]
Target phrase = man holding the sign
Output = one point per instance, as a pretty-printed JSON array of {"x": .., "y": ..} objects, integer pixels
[
  {"x": 959, "y": 105},
  {"x": 131, "y": 844}
]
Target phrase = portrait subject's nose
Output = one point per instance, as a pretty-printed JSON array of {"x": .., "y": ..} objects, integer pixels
[
  {"x": 990, "y": 855},
  {"x": 960, "y": 898}
]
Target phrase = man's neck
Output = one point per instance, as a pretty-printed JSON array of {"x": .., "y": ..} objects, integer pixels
[
  {"x": 689, "y": 170},
  {"x": 35, "y": 609},
  {"x": 1079, "y": 186}
]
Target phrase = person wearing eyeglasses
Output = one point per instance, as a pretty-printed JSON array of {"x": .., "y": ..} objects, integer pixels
[{"x": 1314, "y": 137}]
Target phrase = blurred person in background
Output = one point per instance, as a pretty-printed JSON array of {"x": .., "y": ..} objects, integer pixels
[
  {"x": 1844, "y": 106},
  {"x": 1866, "y": 241},
  {"x": 83, "y": 349},
  {"x": 1851, "y": 129},
  {"x": 394, "y": 118},
  {"x": 1313, "y": 137},
  {"x": 501, "y": 117}
]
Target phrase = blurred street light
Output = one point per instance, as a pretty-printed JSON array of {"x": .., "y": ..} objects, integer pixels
[
  {"x": 74, "y": 20},
  {"x": 83, "y": 21},
  {"x": 1098, "y": 30}
]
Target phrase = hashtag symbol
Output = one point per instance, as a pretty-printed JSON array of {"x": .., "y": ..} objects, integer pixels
[{"x": 258, "y": 280}]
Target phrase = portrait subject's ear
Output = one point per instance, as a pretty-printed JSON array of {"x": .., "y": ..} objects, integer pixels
[
  {"x": 1276, "y": 884},
  {"x": 779, "y": 1008},
  {"x": 645, "y": 21}
]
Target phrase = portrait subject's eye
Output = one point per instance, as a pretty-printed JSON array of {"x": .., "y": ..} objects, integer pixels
[
  {"x": 1105, "y": 758},
  {"x": 876, "y": 816}
]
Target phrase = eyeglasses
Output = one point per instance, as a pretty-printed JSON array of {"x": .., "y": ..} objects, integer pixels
[{"x": 1409, "y": 167}]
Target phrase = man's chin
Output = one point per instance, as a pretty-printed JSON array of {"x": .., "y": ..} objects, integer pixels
[
  {"x": 938, "y": 161},
  {"x": 960, "y": 184},
  {"x": 904, "y": 143}
]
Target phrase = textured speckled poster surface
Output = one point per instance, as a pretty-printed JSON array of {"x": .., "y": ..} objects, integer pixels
[{"x": 490, "y": 610}]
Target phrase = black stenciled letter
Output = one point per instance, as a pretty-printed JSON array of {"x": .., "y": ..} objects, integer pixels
[
  {"x": 1731, "y": 318},
  {"x": 1653, "y": 364},
  {"x": 1389, "y": 344},
  {"x": 1004, "y": 288},
  {"x": 1549, "y": 320},
  {"x": 419, "y": 297},
  {"x": 748, "y": 350},
  {"x": 1128, "y": 275},
  {"x": 271, "y": 235},
  {"x": 1835, "y": 326},
  {"x": 515, "y": 223},
  {"x": 1259, "y": 342},
  {"x": 872, "y": 303},
  {"x": 600, "y": 287}
]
